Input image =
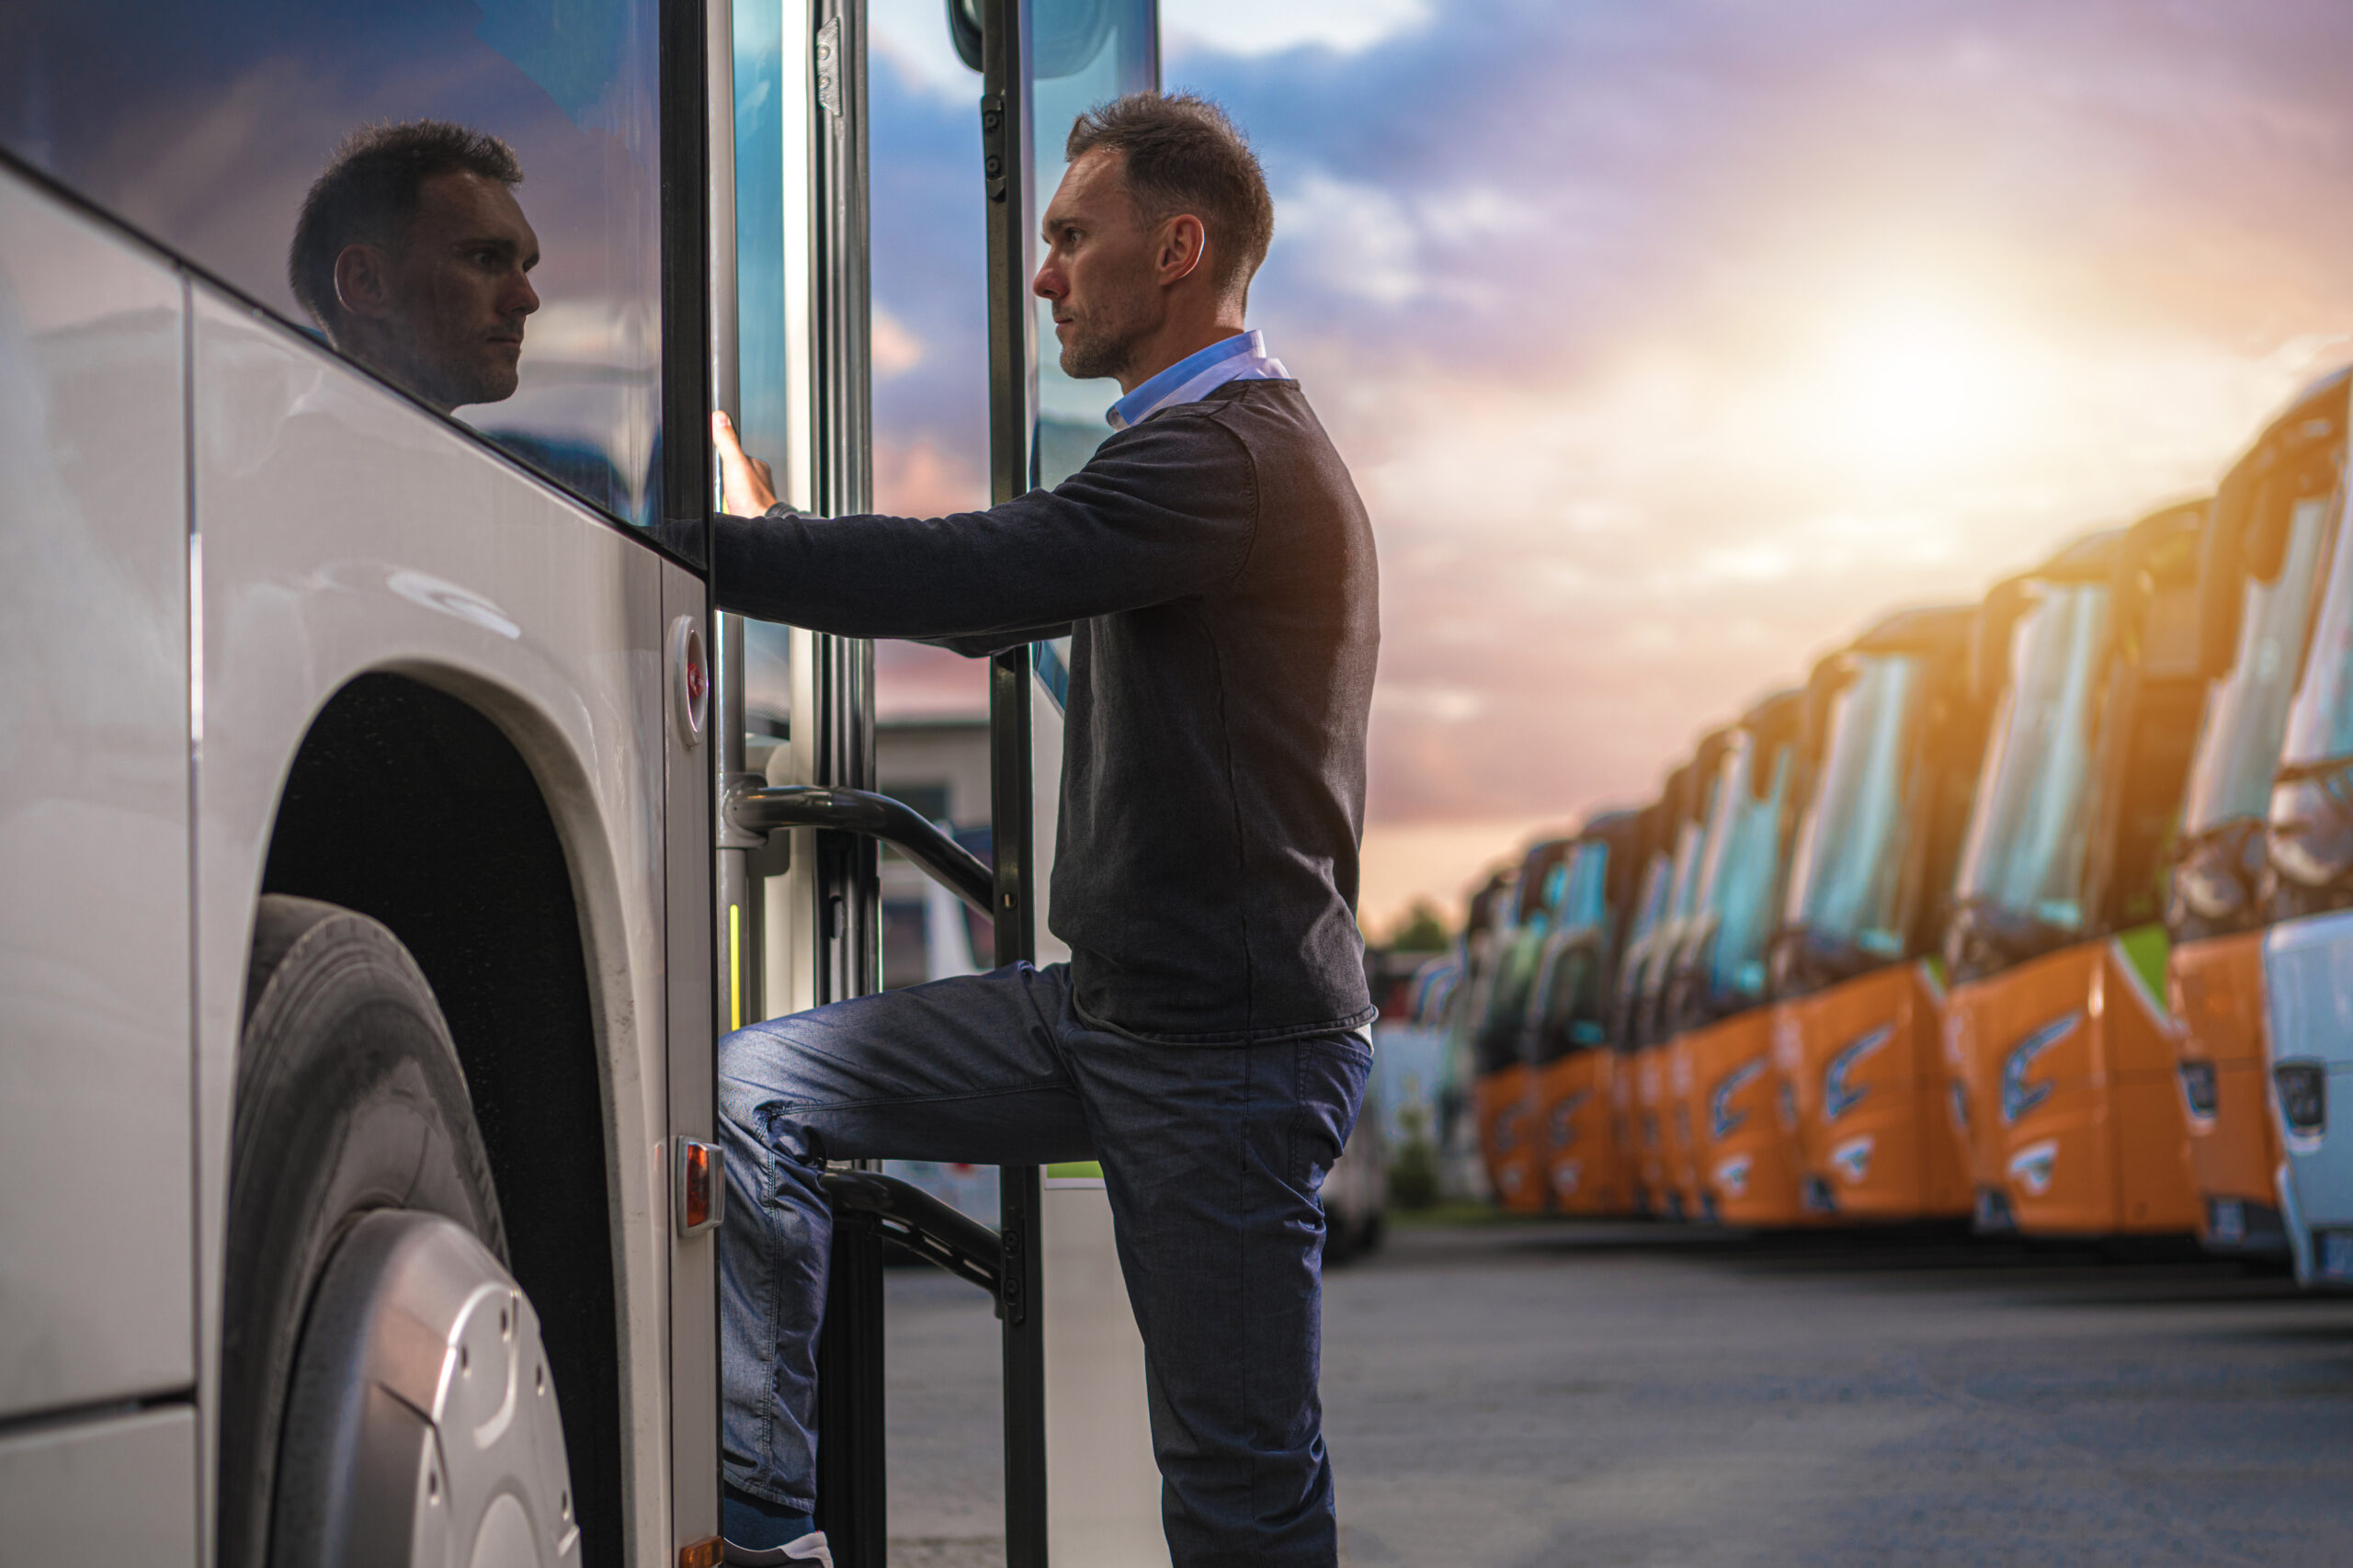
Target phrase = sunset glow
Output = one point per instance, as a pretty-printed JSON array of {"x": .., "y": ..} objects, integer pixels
[{"x": 1670, "y": 345}]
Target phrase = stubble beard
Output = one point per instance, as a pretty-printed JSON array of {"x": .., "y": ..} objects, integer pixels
[
  {"x": 1092, "y": 358},
  {"x": 1100, "y": 349}
]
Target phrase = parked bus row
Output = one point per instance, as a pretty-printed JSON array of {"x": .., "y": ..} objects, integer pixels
[{"x": 2036, "y": 912}]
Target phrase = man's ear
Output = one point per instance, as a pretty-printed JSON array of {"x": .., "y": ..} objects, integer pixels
[
  {"x": 1183, "y": 243},
  {"x": 363, "y": 281}
]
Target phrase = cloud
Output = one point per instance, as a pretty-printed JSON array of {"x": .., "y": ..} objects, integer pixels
[
  {"x": 910, "y": 39},
  {"x": 1670, "y": 345},
  {"x": 1256, "y": 27},
  {"x": 894, "y": 349}
]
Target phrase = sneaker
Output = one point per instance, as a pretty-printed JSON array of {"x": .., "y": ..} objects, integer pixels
[{"x": 810, "y": 1548}]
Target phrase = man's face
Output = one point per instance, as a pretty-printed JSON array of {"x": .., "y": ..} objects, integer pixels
[
  {"x": 1099, "y": 268},
  {"x": 442, "y": 309}
]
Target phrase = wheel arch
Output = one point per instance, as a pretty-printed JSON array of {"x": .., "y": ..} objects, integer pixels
[{"x": 439, "y": 806}]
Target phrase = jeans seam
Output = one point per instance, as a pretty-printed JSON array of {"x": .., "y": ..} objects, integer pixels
[{"x": 768, "y": 1269}]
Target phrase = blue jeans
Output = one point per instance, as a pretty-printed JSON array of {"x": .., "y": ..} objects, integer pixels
[{"x": 1211, "y": 1157}]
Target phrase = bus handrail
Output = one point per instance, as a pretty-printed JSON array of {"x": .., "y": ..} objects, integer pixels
[
  {"x": 932, "y": 1229},
  {"x": 763, "y": 808}
]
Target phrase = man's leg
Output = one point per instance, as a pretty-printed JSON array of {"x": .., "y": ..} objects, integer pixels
[
  {"x": 965, "y": 1070},
  {"x": 1212, "y": 1157}
]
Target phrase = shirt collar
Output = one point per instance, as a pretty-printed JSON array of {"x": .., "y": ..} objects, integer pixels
[{"x": 1241, "y": 357}]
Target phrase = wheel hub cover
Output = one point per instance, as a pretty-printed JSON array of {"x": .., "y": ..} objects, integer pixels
[{"x": 423, "y": 1430}]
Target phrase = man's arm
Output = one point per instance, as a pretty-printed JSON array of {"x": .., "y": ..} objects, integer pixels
[{"x": 1163, "y": 511}]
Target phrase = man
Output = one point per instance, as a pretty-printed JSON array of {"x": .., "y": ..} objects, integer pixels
[
  {"x": 413, "y": 257},
  {"x": 1215, "y": 569}
]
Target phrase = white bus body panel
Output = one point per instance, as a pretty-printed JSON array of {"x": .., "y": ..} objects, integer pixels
[
  {"x": 96, "y": 1291},
  {"x": 2308, "y": 991},
  {"x": 119, "y": 1493},
  {"x": 344, "y": 530}
]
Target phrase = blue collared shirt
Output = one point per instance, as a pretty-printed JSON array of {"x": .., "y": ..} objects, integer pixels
[{"x": 1242, "y": 357}]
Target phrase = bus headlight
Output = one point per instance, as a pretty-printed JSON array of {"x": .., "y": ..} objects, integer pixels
[
  {"x": 2198, "y": 1087},
  {"x": 2304, "y": 1098}
]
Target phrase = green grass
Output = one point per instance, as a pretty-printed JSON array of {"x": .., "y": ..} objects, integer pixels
[{"x": 1453, "y": 1213}]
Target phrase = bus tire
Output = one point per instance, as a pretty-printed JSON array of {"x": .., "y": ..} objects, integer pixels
[{"x": 350, "y": 1099}]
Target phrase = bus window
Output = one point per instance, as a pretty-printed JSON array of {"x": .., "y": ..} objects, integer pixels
[{"x": 517, "y": 290}]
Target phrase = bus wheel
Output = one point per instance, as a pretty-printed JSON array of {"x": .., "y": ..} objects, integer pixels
[{"x": 383, "y": 1393}]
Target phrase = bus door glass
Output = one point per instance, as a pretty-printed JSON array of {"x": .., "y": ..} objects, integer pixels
[
  {"x": 1083, "y": 53},
  {"x": 520, "y": 297},
  {"x": 2022, "y": 869}
]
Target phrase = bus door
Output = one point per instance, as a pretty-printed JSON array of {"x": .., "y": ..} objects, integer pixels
[{"x": 798, "y": 906}]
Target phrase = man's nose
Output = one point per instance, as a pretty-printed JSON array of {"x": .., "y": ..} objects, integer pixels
[
  {"x": 522, "y": 300},
  {"x": 1048, "y": 283}
]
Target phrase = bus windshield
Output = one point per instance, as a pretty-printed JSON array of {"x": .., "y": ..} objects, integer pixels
[
  {"x": 2238, "y": 744},
  {"x": 1691, "y": 851},
  {"x": 1642, "y": 942},
  {"x": 1845, "y": 876},
  {"x": 1584, "y": 899},
  {"x": 2023, "y": 865},
  {"x": 1743, "y": 861}
]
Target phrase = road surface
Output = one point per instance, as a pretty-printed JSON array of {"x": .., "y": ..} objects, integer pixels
[{"x": 1551, "y": 1395}]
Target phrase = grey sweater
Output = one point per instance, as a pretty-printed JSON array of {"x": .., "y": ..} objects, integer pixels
[{"x": 1215, "y": 570}]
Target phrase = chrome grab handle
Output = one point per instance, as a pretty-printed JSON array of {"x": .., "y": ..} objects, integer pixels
[{"x": 752, "y": 806}]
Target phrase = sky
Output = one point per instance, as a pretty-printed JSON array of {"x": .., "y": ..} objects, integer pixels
[{"x": 1672, "y": 343}]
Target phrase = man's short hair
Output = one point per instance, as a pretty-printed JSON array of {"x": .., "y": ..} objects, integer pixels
[
  {"x": 371, "y": 190},
  {"x": 1184, "y": 155}
]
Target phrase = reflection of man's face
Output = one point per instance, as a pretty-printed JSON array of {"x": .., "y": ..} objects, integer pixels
[{"x": 440, "y": 310}]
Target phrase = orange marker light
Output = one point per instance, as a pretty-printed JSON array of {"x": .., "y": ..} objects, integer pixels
[{"x": 703, "y": 1185}]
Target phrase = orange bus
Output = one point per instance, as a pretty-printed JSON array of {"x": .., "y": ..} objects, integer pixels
[
  {"x": 1859, "y": 995},
  {"x": 1630, "y": 1115},
  {"x": 1501, "y": 1082},
  {"x": 1739, "y": 1161},
  {"x": 2057, "y": 1044},
  {"x": 1670, "y": 1184},
  {"x": 1462, "y": 1140},
  {"x": 2263, "y": 555},
  {"x": 1573, "y": 1071}
]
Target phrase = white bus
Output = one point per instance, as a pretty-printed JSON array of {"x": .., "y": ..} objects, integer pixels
[{"x": 379, "y": 862}]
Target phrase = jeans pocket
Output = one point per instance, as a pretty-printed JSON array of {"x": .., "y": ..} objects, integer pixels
[{"x": 1328, "y": 1077}]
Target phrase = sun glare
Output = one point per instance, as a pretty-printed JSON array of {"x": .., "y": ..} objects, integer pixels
[{"x": 1909, "y": 389}]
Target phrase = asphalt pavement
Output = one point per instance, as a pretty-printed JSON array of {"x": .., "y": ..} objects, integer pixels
[{"x": 1553, "y": 1395}]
